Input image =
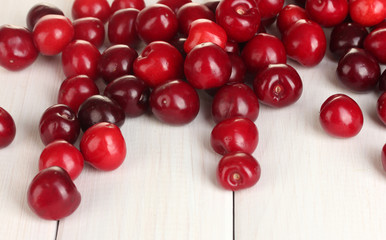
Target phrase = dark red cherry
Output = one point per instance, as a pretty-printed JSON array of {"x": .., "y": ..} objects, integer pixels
[{"x": 40, "y": 10}]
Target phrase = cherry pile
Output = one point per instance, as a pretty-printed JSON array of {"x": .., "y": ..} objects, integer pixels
[{"x": 221, "y": 48}]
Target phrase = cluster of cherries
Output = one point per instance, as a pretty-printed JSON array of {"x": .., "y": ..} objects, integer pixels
[{"x": 220, "y": 47}]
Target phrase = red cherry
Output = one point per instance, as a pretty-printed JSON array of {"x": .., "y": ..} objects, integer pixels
[
  {"x": 40, "y": 10},
  {"x": 289, "y": 15},
  {"x": 121, "y": 27},
  {"x": 336, "y": 10},
  {"x": 190, "y": 12},
  {"x": 174, "y": 5},
  {"x": 91, "y": 8},
  {"x": 52, "y": 195},
  {"x": 207, "y": 66},
  {"x": 340, "y": 116},
  {"x": 232, "y": 47},
  {"x": 375, "y": 43},
  {"x": 7, "y": 128},
  {"x": 103, "y": 146},
  {"x": 367, "y": 12},
  {"x": 238, "y": 170},
  {"x": 17, "y": 49},
  {"x": 239, "y": 68},
  {"x": 175, "y": 102},
  {"x": 62, "y": 154},
  {"x": 75, "y": 90},
  {"x": 52, "y": 33},
  {"x": 89, "y": 29},
  {"x": 124, "y": 4},
  {"x": 381, "y": 107},
  {"x": 269, "y": 8},
  {"x": 383, "y": 157},
  {"x": 59, "y": 122},
  {"x": 234, "y": 134}
]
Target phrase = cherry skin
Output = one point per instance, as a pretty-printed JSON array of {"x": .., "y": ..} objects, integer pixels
[
  {"x": 367, "y": 12},
  {"x": 40, "y": 10},
  {"x": 17, "y": 49},
  {"x": 158, "y": 63},
  {"x": 7, "y": 128},
  {"x": 89, "y": 29},
  {"x": 358, "y": 70},
  {"x": 59, "y": 122},
  {"x": 103, "y": 146},
  {"x": 383, "y": 157},
  {"x": 382, "y": 81},
  {"x": 381, "y": 107},
  {"x": 156, "y": 23},
  {"x": 345, "y": 36},
  {"x": 336, "y": 10},
  {"x": 375, "y": 43},
  {"x": 174, "y": 5},
  {"x": 289, "y": 15},
  {"x": 234, "y": 134},
  {"x": 305, "y": 42},
  {"x": 80, "y": 58},
  {"x": 116, "y": 61},
  {"x": 122, "y": 29},
  {"x": 91, "y": 8},
  {"x": 232, "y": 47},
  {"x": 124, "y": 4},
  {"x": 239, "y": 68},
  {"x": 75, "y": 90},
  {"x": 340, "y": 116},
  {"x": 62, "y": 154},
  {"x": 238, "y": 170},
  {"x": 269, "y": 8},
  {"x": 207, "y": 66},
  {"x": 175, "y": 102},
  {"x": 239, "y": 18},
  {"x": 52, "y": 195},
  {"x": 131, "y": 93},
  {"x": 190, "y": 12},
  {"x": 262, "y": 50},
  {"x": 52, "y": 33},
  {"x": 235, "y": 100},
  {"x": 278, "y": 85}
]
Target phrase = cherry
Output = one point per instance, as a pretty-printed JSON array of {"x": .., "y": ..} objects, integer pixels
[
  {"x": 234, "y": 134},
  {"x": 158, "y": 63},
  {"x": 124, "y": 4},
  {"x": 383, "y": 157},
  {"x": 289, "y": 15},
  {"x": 367, "y": 12},
  {"x": 91, "y": 8},
  {"x": 175, "y": 102},
  {"x": 80, "y": 58},
  {"x": 17, "y": 49},
  {"x": 75, "y": 90},
  {"x": 131, "y": 93},
  {"x": 305, "y": 42},
  {"x": 239, "y": 68},
  {"x": 96, "y": 109},
  {"x": 375, "y": 43},
  {"x": 382, "y": 81},
  {"x": 207, "y": 66},
  {"x": 174, "y": 5},
  {"x": 358, "y": 70},
  {"x": 340, "y": 116},
  {"x": 116, "y": 61},
  {"x": 59, "y": 122},
  {"x": 269, "y": 8},
  {"x": 345, "y": 36},
  {"x": 381, "y": 107},
  {"x": 89, "y": 29},
  {"x": 239, "y": 18},
  {"x": 238, "y": 170},
  {"x": 278, "y": 85},
  {"x": 156, "y": 23},
  {"x": 336, "y": 10},
  {"x": 7, "y": 128},
  {"x": 262, "y": 50},
  {"x": 40, "y": 10},
  {"x": 52, "y": 33},
  {"x": 62, "y": 154},
  {"x": 232, "y": 47},
  {"x": 52, "y": 195},
  {"x": 235, "y": 100},
  {"x": 121, "y": 27},
  {"x": 190, "y": 12},
  {"x": 103, "y": 146}
]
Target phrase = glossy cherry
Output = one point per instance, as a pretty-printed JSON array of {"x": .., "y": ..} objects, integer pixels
[
  {"x": 327, "y": 13},
  {"x": 238, "y": 170},
  {"x": 7, "y": 128},
  {"x": 175, "y": 102},
  {"x": 122, "y": 29},
  {"x": 207, "y": 66},
  {"x": 17, "y": 49},
  {"x": 89, "y": 29},
  {"x": 158, "y": 63},
  {"x": 269, "y": 8},
  {"x": 131, "y": 93},
  {"x": 235, "y": 100},
  {"x": 52, "y": 195},
  {"x": 59, "y": 122},
  {"x": 190, "y": 12},
  {"x": 239, "y": 68},
  {"x": 91, "y": 8},
  {"x": 234, "y": 134},
  {"x": 96, "y": 109},
  {"x": 62, "y": 154},
  {"x": 174, "y": 5},
  {"x": 52, "y": 33},
  {"x": 367, "y": 12},
  {"x": 124, "y": 4},
  {"x": 383, "y": 157},
  {"x": 375, "y": 43},
  {"x": 289, "y": 15},
  {"x": 156, "y": 23},
  {"x": 381, "y": 107},
  {"x": 103, "y": 146},
  {"x": 116, "y": 61},
  {"x": 278, "y": 85},
  {"x": 340, "y": 116},
  {"x": 75, "y": 90},
  {"x": 358, "y": 70},
  {"x": 239, "y": 18},
  {"x": 38, "y": 11}
]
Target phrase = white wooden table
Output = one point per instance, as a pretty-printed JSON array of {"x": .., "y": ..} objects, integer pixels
[{"x": 312, "y": 186}]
